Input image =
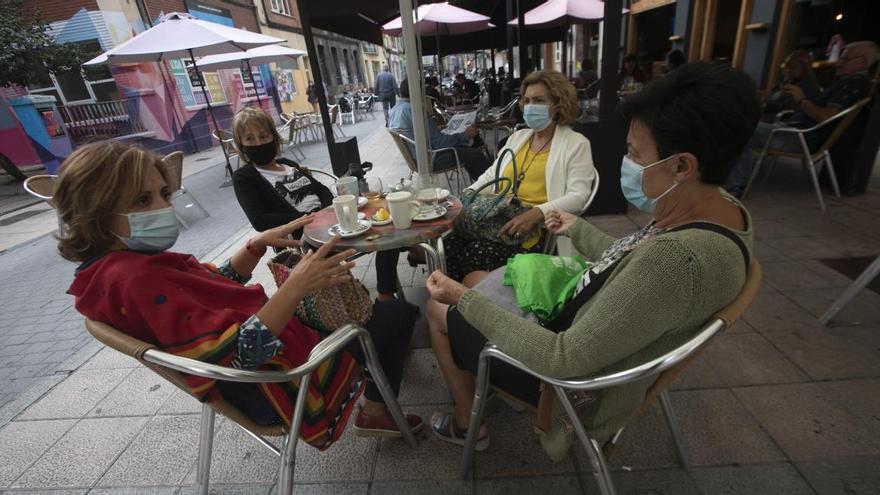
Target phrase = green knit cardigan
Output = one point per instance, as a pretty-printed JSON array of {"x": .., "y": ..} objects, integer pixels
[{"x": 659, "y": 296}]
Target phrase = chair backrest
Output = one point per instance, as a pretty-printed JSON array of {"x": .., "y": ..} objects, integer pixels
[
  {"x": 729, "y": 315},
  {"x": 42, "y": 187},
  {"x": 135, "y": 348},
  {"x": 334, "y": 113},
  {"x": 174, "y": 164},
  {"x": 846, "y": 118},
  {"x": 550, "y": 239},
  {"x": 404, "y": 150}
]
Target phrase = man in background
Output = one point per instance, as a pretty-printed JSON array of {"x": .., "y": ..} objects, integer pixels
[{"x": 386, "y": 89}]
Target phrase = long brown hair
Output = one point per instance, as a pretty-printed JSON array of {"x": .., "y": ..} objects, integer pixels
[{"x": 96, "y": 182}]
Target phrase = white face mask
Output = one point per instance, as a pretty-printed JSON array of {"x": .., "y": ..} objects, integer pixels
[
  {"x": 151, "y": 231},
  {"x": 632, "y": 184}
]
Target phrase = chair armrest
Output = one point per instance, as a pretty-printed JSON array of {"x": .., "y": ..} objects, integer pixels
[
  {"x": 781, "y": 116},
  {"x": 326, "y": 348},
  {"x": 653, "y": 367}
]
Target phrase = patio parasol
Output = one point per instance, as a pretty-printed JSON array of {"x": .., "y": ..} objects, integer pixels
[
  {"x": 260, "y": 55},
  {"x": 180, "y": 35},
  {"x": 563, "y": 12}
]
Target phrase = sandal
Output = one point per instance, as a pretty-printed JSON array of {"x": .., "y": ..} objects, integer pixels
[{"x": 444, "y": 428}]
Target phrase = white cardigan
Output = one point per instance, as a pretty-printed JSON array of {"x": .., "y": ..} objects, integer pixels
[{"x": 569, "y": 175}]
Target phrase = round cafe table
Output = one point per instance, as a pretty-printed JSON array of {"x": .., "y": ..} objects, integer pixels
[{"x": 426, "y": 234}]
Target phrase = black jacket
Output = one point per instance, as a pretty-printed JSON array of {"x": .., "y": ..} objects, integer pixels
[{"x": 264, "y": 207}]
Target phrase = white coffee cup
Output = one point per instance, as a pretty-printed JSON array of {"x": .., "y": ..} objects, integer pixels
[
  {"x": 347, "y": 185},
  {"x": 345, "y": 207},
  {"x": 402, "y": 208}
]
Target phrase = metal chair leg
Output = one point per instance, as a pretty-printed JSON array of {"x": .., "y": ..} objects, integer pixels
[
  {"x": 181, "y": 220},
  {"x": 597, "y": 459},
  {"x": 811, "y": 170},
  {"x": 388, "y": 396},
  {"x": 288, "y": 453},
  {"x": 668, "y": 412},
  {"x": 850, "y": 293},
  {"x": 481, "y": 390},
  {"x": 770, "y": 166},
  {"x": 755, "y": 170},
  {"x": 832, "y": 174},
  {"x": 206, "y": 441},
  {"x": 196, "y": 202},
  {"x": 400, "y": 293}
]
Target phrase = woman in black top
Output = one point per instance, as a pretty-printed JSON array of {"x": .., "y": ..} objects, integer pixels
[{"x": 273, "y": 190}]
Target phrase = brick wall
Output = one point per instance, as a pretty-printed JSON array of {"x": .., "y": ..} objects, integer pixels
[
  {"x": 60, "y": 10},
  {"x": 155, "y": 7},
  {"x": 280, "y": 20}
]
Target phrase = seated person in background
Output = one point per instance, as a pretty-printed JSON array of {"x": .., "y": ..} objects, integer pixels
[
  {"x": 674, "y": 60},
  {"x": 796, "y": 70},
  {"x": 853, "y": 85},
  {"x": 631, "y": 75},
  {"x": 273, "y": 190},
  {"x": 587, "y": 76},
  {"x": 465, "y": 88},
  {"x": 647, "y": 293},
  {"x": 554, "y": 166},
  {"x": 473, "y": 160},
  {"x": 432, "y": 85},
  {"x": 115, "y": 201}
]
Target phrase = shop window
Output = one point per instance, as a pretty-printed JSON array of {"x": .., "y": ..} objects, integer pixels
[{"x": 280, "y": 7}]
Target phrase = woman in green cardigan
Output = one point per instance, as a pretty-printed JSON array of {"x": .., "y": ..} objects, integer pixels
[{"x": 646, "y": 293}]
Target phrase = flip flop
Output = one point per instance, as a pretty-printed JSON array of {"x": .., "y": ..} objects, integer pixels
[{"x": 444, "y": 428}]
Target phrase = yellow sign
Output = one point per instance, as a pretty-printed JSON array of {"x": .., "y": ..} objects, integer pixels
[{"x": 212, "y": 81}]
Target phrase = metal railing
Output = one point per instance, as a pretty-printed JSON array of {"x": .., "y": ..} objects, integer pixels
[{"x": 98, "y": 121}]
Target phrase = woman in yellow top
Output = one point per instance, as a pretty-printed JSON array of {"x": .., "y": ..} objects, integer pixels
[{"x": 555, "y": 170}]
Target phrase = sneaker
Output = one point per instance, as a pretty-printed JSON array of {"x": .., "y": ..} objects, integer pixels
[{"x": 383, "y": 426}]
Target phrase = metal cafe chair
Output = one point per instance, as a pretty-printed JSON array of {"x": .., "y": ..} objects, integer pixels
[
  {"x": 401, "y": 141},
  {"x": 174, "y": 164},
  {"x": 171, "y": 367},
  {"x": 43, "y": 187},
  {"x": 550, "y": 238},
  {"x": 228, "y": 145},
  {"x": 862, "y": 281},
  {"x": 811, "y": 161},
  {"x": 668, "y": 366}
]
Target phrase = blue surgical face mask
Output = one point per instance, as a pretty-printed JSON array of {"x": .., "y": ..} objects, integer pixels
[
  {"x": 151, "y": 231},
  {"x": 631, "y": 182},
  {"x": 537, "y": 117}
]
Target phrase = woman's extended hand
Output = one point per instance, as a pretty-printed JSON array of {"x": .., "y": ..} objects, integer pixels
[
  {"x": 277, "y": 237},
  {"x": 558, "y": 222},
  {"x": 444, "y": 289},
  {"x": 520, "y": 225},
  {"x": 316, "y": 270}
]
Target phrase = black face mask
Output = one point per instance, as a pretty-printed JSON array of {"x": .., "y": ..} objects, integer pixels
[{"x": 261, "y": 154}]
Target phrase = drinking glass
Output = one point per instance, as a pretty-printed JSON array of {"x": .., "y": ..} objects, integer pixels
[
  {"x": 373, "y": 188},
  {"x": 428, "y": 194}
]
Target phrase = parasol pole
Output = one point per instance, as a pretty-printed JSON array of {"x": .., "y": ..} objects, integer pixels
[
  {"x": 211, "y": 113},
  {"x": 247, "y": 62}
]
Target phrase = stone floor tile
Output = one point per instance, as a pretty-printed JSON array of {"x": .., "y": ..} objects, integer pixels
[
  {"x": 135, "y": 490},
  {"x": 350, "y": 459},
  {"x": 515, "y": 449},
  {"x": 700, "y": 374},
  {"x": 778, "y": 479},
  {"x": 423, "y": 487},
  {"x": 108, "y": 358},
  {"x": 64, "y": 491},
  {"x": 749, "y": 359},
  {"x": 233, "y": 489},
  {"x": 832, "y": 353},
  {"x": 539, "y": 484},
  {"x": 76, "y": 395},
  {"x": 238, "y": 459},
  {"x": 331, "y": 489},
  {"x": 432, "y": 459},
  {"x": 860, "y": 397},
  {"x": 807, "y": 422},
  {"x": 423, "y": 382},
  {"x": 24, "y": 442},
  {"x": 180, "y": 402},
  {"x": 83, "y": 454},
  {"x": 741, "y": 326},
  {"x": 161, "y": 455},
  {"x": 646, "y": 443},
  {"x": 142, "y": 393},
  {"x": 717, "y": 429},
  {"x": 765, "y": 253},
  {"x": 843, "y": 476},
  {"x": 863, "y": 309},
  {"x": 771, "y": 310},
  {"x": 646, "y": 482},
  {"x": 802, "y": 274},
  {"x": 774, "y": 229}
]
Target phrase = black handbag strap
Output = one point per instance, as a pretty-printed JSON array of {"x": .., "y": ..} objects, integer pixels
[{"x": 718, "y": 229}]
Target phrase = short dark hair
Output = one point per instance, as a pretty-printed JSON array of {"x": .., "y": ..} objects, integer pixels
[
  {"x": 703, "y": 108},
  {"x": 404, "y": 88},
  {"x": 675, "y": 59}
]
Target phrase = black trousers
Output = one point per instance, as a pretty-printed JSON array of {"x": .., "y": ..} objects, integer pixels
[{"x": 386, "y": 271}]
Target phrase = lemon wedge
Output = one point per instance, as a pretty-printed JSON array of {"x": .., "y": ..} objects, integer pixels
[{"x": 381, "y": 215}]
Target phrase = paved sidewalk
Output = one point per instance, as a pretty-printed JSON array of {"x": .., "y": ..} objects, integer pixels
[{"x": 778, "y": 405}]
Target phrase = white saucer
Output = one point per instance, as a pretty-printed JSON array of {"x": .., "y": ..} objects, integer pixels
[
  {"x": 362, "y": 201},
  {"x": 363, "y": 226},
  {"x": 361, "y": 215},
  {"x": 437, "y": 212},
  {"x": 444, "y": 193},
  {"x": 378, "y": 223}
]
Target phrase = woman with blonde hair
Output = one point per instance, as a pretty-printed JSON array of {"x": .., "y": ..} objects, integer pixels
[
  {"x": 114, "y": 200},
  {"x": 554, "y": 166}
]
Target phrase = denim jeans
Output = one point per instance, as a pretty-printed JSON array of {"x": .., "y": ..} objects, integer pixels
[{"x": 472, "y": 159}]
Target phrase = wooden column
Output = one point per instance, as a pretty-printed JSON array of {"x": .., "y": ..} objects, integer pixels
[{"x": 739, "y": 47}]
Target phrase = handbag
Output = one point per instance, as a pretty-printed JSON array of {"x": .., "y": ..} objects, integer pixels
[
  {"x": 483, "y": 215},
  {"x": 329, "y": 308}
]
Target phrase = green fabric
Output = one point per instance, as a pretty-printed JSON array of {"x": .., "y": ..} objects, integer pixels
[
  {"x": 544, "y": 283},
  {"x": 657, "y": 298}
]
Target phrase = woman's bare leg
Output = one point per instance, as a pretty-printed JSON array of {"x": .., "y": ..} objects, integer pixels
[{"x": 460, "y": 382}]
